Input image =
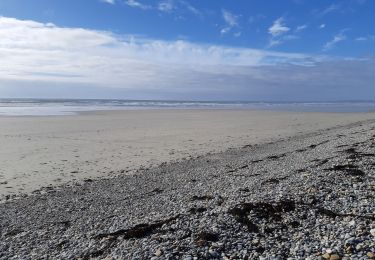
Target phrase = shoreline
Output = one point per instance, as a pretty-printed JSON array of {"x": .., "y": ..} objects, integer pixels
[
  {"x": 68, "y": 107},
  {"x": 41, "y": 152},
  {"x": 210, "y": 203}
]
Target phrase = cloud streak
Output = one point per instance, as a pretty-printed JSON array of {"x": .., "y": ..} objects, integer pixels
[
  {"x": 230, "y": 19},
  {"x": 279, "y": 30},
  {"x": 136, "y": 4},
  {"x": 112, "y": 2},
  {"x": 278, "y": 27},
  {"x": 336, "y": 39},
  {"x": 38, "y": 54},
  {"x": 166, "y": 6}
]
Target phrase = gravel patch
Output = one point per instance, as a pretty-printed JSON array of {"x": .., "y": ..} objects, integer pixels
[{"x": 306, "y": 197}]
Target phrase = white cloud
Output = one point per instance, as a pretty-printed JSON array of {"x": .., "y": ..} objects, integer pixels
[
  {"x": 361, "y": 39},
  {"x": 166, "y": 6},
  {"x": 137, "y": 4},
  {"x": 365, "y": 38},
  {"x": 274, "y": 42},
  {"x": 278, "y": 27},
  {"x": 301, "y": 28},
  {"x": 277, "y": 31},
  {"x": 230, "y": 19},
  {"x": 178, "y": 7},
  {"x": 322, "y": 26},
  {"x": 330, "y": 9},
  {"x": 336, "y": 39},
  {"x": 112, "y": 2},
  {"x": 32, "y": 50},
  {"x": 190, "y": 8},
  {"x": 44, "y": 56}
]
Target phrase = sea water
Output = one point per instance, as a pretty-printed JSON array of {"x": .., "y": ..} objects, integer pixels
[{"x": 44, "y": 107}]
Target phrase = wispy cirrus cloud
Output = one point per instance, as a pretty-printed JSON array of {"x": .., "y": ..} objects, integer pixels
[
  {"x": 330, "y": 9},
  {"x": 231, "y": 21},
  {"x": 137, "y": 4},
  {"x": 112, "y": 2},
  {"x": 365, "y": 38},
  {"x": 35, "y": 54},
  {"x": 301, "y": 28},
  {"x": 278, "y": 27},
  {"x": 336, "y": 39},
  {"x": 178, "y": 6},
  {"x": 279, "y": 32},
  {"x": 166, "y": 6},
  {"x": 327, "y": 10},
  {"x": 191, "y": 8}
]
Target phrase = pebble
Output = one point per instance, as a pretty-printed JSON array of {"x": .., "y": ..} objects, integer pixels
[
  {"x": 237, "y": 207},
  {"x": 158, "y": 252},
  {"x": 334, "y": 257}
]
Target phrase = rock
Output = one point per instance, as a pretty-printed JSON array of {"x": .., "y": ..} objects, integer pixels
[
  {"x": 213, "y": 253},
  {"x": 158, "y": 252},
  {"x": 371, "y": 255},
  {"x": 255, "y": 241},
  {"x": 326, "y": 256},
  {"x": 334, "y": 257},
  {"x": 372, "y": 232}
]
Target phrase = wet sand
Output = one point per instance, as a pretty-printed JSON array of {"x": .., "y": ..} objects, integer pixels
[{"x": 47, "y": 151}]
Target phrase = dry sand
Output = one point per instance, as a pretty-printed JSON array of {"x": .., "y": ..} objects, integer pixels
[{"x": 52, "y": 150}]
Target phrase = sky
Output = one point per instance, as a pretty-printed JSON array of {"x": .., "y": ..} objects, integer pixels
[{"x": 251, "y": 50}]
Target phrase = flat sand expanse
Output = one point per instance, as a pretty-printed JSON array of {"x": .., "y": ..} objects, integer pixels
[{"x": 38, "y": 152}]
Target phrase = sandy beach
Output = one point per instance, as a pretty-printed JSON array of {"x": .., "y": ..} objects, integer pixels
[
  {"x": 310, "y": 196},
  {"x": 47, "y": 151}
]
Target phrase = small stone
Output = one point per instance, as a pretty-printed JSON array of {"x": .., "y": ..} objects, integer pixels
[
  {"x": 255, "y": 241},
  {"x": 371, "y": 255},
  {"x": 158, "y": 252},
  {"x": 326, "y": 256},
  {"x": 334, "y": 257},
  {"x": 213, "y": 253},
  {"x": 372, "y": 232}
]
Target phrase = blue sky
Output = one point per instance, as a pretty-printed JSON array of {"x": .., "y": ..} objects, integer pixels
[{"x": 180, "y": 49}]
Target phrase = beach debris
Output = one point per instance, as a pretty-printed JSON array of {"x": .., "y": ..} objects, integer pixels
[
  {"x": 348, "y": 168},
  {"x": 203, "y": 197},
  {"x": 138, "y": 231},
  {"x": 203, "y": 237},
  {"x": 197, "y": 210}
]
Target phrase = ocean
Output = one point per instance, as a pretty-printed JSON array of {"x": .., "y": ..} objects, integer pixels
[{"x": 46, "y": 107}]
